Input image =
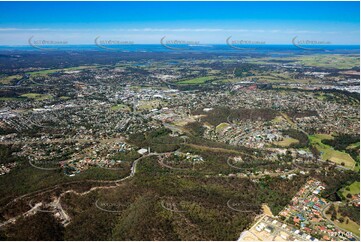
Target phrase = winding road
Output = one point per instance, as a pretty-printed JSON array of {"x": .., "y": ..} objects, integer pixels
[
  {"x": 323, "y": 212},
  {"x": 35, "y": 209}
]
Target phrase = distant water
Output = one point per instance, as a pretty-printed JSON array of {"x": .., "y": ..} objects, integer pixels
[{"x": 347, "y": 49}]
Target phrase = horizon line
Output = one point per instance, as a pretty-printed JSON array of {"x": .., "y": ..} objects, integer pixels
[{"x": 199, "y": 45}]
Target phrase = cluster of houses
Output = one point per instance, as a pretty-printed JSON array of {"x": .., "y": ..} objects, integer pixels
[
  {"x": 6, "y": 168},
  {"x": 252, "y": 134},
  {"x": 99, "y": 155},
  {"x": 74, "y": 167},
  {"x": 185, "y": 158},
  {"x": 302, "y": 220},
  {"x": 306, "y": 109},
  {"x": 272, "y": 229},
  {"x": 306, "y": 212}
]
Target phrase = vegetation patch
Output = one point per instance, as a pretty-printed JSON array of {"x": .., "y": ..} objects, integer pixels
[
  {"x": 339, "y": 216},
  {"x": 286, "y": 142},
  {"x": 120, "y": 107},
  {"x": 220, "y": 115},
  {"x": 297, "y": 139},
  {"x": 328, "y": 153},
  {"x": 51, "y": 71},
  {"x": 352, "y": 189},
  {"x": 149, "y": 105},
  {"x": 330, "y": 61},
  {"x": 37, "y": 96},
  {"x": 197, "y": 81},
  {"x": 8, "y": 79},
  {"x": 221, "y": 127}
]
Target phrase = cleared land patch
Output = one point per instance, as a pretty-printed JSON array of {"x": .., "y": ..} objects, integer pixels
[
  {"x": 351, "y": 226},
  {"x": 120, "y": 107},
  {"x": 149, "y": 105},
  {"x": 196, "y": 81},
  {"x": 354, "y": 189},
  {"x": 50, "y": 71},
  {"x": 328, "y": 153},
  {"x": 8, "y": 79},
  {"x": 286, "y": 142},
  {"x": 37, "y": 96},
  {"x": 221, "y": 127},
  {"x": 330, "y": 61}
]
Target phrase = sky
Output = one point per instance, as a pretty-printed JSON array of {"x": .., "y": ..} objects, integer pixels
[{"x": 201, "y": 22}]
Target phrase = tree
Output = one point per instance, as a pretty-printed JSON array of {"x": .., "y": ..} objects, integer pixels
[
  {"x": 41, "y": 226},
  {"x": 334, "y": 216}
]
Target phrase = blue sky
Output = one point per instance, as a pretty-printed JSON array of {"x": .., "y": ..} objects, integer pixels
[{"x": 204, "y": 22}]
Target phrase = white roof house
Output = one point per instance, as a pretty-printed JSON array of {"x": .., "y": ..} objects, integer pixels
[{"x": 142, "y": 151}]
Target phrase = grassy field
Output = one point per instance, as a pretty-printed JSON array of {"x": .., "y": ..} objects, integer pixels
[
  {"x": 149, "y": 105},
  {"x": 197, "y": 81},
  {"x": 43, "y": 72},
  {"x": 327, "y": 61},
  {"x": 8, "y": 79},
  {"x": 278, "y": 119},
  {"x": 354, "y": 145},
  {"x": 221, "y": 127},
  {"x": 351, "y": 226},
  {"x": 285, "y": 116},
  {"x": 328, "y": 153},
  {"x": 354, "y": 189},
  {"x": 278, "y": 78},
  {"x": 286, "y": 142},
  {"x": 37, "y": 96},
  {"x": 120, "y": 107},
  {"x": 46, "y": 72},
  {"x": 330, "y": 61},
  {"x": 12, "y": 99}
]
